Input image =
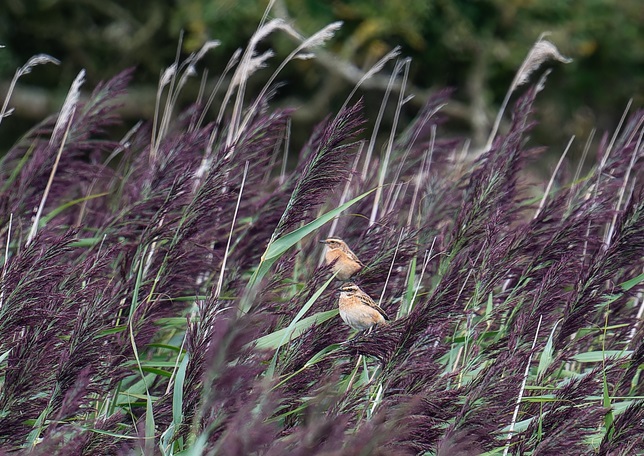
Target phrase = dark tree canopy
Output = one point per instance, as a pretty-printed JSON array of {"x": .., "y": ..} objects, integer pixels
[{"x": 475, "y": 47}]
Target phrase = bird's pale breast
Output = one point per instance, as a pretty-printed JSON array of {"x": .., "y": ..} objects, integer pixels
[
  {"x": 344, "y": 266},
  {"x": 360, "y": 316}
]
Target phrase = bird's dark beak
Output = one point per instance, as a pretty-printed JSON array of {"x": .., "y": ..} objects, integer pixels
[{"x": 322, "y": 241}]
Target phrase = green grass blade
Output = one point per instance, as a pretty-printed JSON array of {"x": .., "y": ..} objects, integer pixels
[
  {"x": 281, "y": 245},
  {"x": 167, "y": 438},
  {"x": 4, "y": 355},
  {"x": 305, "y": 308},
  {"x": 546, "y": 356},
  {"x": 198, "y": 447},
  {"x": 632, "y": 282},
  {"x": 177, "y": 393},
  {"x": 608, "y": 418},
  {"x": 86, "y": 242},
  {"x": 409, "y": 292},
  {"x": 319, "y": 356},
  {"x": 600, "y": 356},
  {"x": 15, "y": 171},
  {"x": 149, "y": 426},
  {"x": 611, "y": 298},
  {"x": 276, "y": 339},
  {"x": 276, "y": 248},
  {"x": 290, "y": 328},
  {"x": 45, "y": 219}
]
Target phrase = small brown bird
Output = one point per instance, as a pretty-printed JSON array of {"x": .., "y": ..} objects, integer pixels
[
  {"x": 345, "y": 262},
  {"x": 358, "y": 310}
]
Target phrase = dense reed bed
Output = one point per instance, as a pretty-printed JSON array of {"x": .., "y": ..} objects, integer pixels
[{"x": 166, "y": 294}]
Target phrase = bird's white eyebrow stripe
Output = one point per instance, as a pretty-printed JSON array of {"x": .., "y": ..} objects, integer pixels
[{"x": 349, "y": 288}]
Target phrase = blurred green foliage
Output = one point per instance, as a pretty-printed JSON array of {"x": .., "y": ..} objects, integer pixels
[{"x": 473, "y": 45}]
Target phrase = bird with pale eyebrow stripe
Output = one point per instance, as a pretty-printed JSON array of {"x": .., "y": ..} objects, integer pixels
[
  {"x": 345, "y": 262},
  {"x": 358, "y": 310}
]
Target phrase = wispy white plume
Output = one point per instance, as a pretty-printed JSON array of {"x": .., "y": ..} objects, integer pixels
[
  {"x": 267, "y": 29},
  {"x": 250, "y": 62},
  {"x": 316, "y": 40},
  {"x": 208, "y": 45},
  {"x": 189, "y": 72},
  {"x": 395, "y": 52},
  {"x": 234, "y": 59},
  {"x": 304, "y": 56},
  {"x": 69, "y": 106},
  {"x": 541, "y": 52},
  {"x": 63, "y": 123},
  {"x": 321, "y": 37},
  {"x": 39, "y": 59},
  {"x": 379, "y": 65},
  {"x": 255, "y": 63},
  {"x": 167, "y": 75}
]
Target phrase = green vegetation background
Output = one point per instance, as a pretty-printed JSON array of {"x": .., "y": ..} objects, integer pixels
[{"x": 473, "y": 46}]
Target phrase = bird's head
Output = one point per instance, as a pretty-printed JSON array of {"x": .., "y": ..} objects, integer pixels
[
  {"x": 350, "y": 288},
  {"x": 335, "y": 243}
]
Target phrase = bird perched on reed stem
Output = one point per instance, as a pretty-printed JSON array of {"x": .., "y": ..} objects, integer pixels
[
  {"x": 358, "y": 310},
  {"x": 344, "y": 261}
]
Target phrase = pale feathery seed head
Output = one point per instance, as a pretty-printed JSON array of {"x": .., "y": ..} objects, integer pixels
[
  {"x": 253, "y": 64},
  {"x": 69, "y": 105},
  {"x": 208, "y": 45},
  {"x": 267, "y": 29},
  {"x": 322, "y": 36},
  {"x": 39, "y": 59},
  {"x": 304, "y": 56},
  {"x": 541, "y": 52},
  {"x": 167, "y": 75}
]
